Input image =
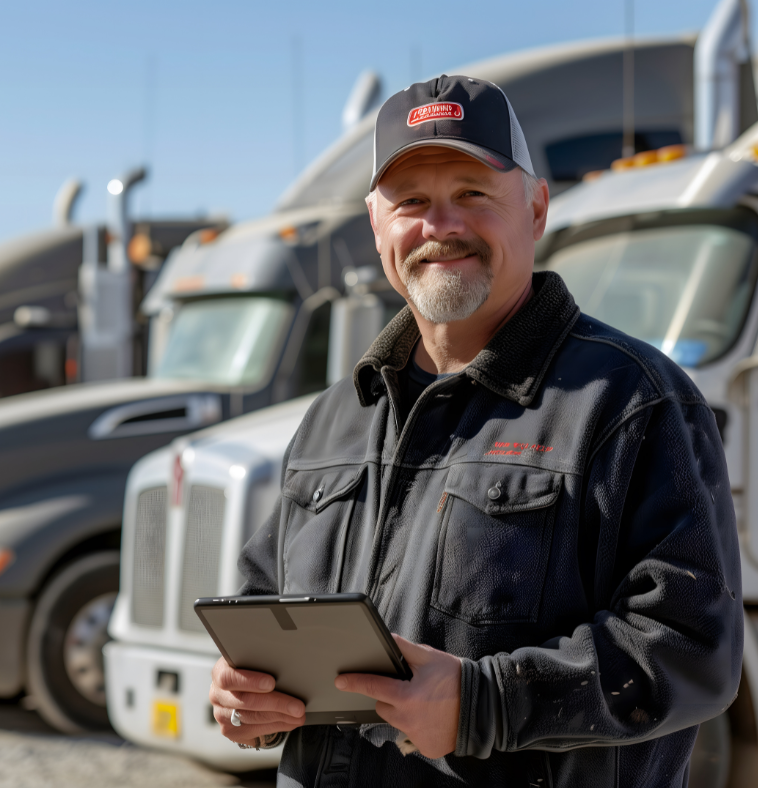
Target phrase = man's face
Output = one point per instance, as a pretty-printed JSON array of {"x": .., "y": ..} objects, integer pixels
[{"x": 456, "y": 237}]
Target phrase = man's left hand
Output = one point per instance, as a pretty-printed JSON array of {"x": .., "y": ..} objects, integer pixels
[{"x": 426, "y": 708}]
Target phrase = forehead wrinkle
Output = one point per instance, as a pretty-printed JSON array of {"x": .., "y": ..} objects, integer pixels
[{"x": 411, "y": 182}]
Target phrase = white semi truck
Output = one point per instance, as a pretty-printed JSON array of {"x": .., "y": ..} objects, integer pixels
[{"x": 667, "y": 252}]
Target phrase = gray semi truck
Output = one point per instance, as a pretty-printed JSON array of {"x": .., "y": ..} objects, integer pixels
[
  {"x": 51, "y": 286},
  {"x": 237, "y": 323}
]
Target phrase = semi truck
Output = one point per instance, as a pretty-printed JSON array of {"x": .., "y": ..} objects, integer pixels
[
  {"x": 663, "y": 245},
  {"x": 238, "y": 322},
  {"x": 53, "y": 308}
]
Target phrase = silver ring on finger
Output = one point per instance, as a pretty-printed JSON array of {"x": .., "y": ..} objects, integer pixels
[{"x": 235, "y": 719}]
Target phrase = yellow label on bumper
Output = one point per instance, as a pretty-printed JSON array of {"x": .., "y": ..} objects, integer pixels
[{"x": 166, "y": 719}]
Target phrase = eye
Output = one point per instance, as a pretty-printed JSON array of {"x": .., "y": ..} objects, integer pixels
[
  {"x": 411, "y": 201},
  {"x": 473, "y": 193}
]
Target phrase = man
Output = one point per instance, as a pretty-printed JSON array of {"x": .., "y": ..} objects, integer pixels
[{"x": 537, "y": 503}]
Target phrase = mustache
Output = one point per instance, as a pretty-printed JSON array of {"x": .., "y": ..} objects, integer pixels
[{"x": 451, "y": 250}]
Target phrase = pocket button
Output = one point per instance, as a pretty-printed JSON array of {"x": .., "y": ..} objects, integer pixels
[
  {"x": 317, "y": 495},
  {"x": 494, "y": 493}
]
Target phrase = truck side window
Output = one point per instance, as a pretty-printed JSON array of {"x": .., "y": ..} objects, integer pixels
[{"x": 313, "y": 355}]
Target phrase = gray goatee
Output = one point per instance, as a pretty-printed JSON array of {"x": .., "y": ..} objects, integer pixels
[{"x": 446, "y": 296}]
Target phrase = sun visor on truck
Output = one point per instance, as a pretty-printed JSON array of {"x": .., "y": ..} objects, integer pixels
[{"x": 233, "y": 264}]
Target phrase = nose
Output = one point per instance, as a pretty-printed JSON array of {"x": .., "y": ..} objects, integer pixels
[{"x": 442, "y": 221}]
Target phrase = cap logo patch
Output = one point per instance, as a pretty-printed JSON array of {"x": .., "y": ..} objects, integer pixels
[{"x": 436, "y": 111}]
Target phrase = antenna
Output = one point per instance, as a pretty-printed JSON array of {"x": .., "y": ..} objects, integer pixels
[
  {"x": 628, "y": 146},
  {"x": 297, "y": 104},
  {"x": 148, "y": 127}
]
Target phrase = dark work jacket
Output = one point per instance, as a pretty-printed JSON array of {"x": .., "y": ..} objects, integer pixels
[{"x": 558, "y": 515}]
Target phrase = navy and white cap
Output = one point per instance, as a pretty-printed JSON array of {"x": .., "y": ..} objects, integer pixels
[{"x": 463, "y": 113}]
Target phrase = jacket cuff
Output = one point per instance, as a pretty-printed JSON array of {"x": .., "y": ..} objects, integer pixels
[{"x": 482, "y": 722}]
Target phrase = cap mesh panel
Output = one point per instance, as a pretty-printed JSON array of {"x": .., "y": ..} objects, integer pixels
[{"x": 518, "y": 141}]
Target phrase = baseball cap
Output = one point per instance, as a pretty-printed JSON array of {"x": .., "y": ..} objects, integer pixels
[{"x": 463, "y": 113}]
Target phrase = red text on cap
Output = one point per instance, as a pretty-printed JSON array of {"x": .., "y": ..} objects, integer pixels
[{"x": 437, "y": 111}]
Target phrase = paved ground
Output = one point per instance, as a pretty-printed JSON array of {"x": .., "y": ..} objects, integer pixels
[{"x": 33, "y": 755}]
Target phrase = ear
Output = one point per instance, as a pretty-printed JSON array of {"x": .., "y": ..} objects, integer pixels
[
  {"x": 371, "y": 205},
  {"x": 540, "y": 205}
]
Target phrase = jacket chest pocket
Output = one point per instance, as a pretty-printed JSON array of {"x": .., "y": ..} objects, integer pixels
[
  {"x": 320, "y": 505},
  {"x": 494, "y": 543}
]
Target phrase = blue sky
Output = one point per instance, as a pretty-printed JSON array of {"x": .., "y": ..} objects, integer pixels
[{"x": 204, "y": 93}]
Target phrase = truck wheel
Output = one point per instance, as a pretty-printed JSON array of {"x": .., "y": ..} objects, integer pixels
[
  {"x": 66, "y": 638},
  {"x": 709, "y": 765}
]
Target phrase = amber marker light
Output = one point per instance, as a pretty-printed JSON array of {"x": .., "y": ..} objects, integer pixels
[
  {"x": 671, "y": 153},
  {"x": 289, "y": 234},
  {"x": 623, "y": 164},
  {"x": 645, "y": 158},
  {"x": 186, "y": 284},
  {"x": 208, "y": 235},
  {"x": 139, "y": 248},
  {"x": 7, "y": 557},
  {"x": 593, "y": 175}
]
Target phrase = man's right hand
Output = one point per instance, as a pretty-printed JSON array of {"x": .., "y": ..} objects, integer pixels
[{"x": 262, "y": 710}]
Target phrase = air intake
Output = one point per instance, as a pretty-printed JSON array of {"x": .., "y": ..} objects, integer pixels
[
  {"x": 202, "y": 551},
  {"x": 149, "y": 558}
]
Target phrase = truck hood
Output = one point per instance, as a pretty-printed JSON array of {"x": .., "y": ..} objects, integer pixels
[
  {"x": 51, "y": 403},
  {"x": 51, "y": 439}
]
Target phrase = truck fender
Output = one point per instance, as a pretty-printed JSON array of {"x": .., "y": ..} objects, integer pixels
[{"x": 42, "y": 527}]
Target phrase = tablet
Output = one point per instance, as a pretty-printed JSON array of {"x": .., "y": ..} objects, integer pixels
[{"x": 305, "y": 642}]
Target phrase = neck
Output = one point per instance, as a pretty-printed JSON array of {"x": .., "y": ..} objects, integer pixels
[{"x": 449, "y": 347}]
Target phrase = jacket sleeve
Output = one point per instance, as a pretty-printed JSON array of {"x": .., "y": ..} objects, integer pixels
[
  {"x": 259, "y": 562},
  {"x": 663, "y": 650}
]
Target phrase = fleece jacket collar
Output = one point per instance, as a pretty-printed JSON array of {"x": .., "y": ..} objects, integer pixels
[{"x": 514, "y": 361}]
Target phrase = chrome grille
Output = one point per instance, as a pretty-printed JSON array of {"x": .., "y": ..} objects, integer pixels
[
  {"x": 202, "y": 551},
  {"x": 149, "y": 558}
]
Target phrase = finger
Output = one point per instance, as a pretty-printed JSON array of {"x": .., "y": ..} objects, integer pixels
[
  {"x": 253, "y": 701},
  {"x": 378, "y": 687},
  {"x": 266, "y": 717},
  {"x": 223, "y": 715},
  {"x": 414, "y": 653},
  {"x": 232, "y": 679},
  {"x": 247, "y": 734}
]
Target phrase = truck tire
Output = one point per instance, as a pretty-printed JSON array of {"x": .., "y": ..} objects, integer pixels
[
  {"x": 711, "y": 757},
  {"x": 64, "y": 650}
]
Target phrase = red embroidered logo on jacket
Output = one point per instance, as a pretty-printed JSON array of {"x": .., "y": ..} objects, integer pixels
[
  {"x": 444, "y": 109},
  {"x": 517, "y": 448}
]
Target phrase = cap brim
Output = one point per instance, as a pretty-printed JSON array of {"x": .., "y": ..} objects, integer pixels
[{"x": 491, "y": 158}]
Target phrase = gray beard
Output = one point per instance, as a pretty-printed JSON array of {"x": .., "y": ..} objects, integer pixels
[{"x": 445, "y": 296}]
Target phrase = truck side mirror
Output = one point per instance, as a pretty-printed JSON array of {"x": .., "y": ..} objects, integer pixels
[
  {"x": 356, "y": 323},
  {"x": 742, "y": 391}
]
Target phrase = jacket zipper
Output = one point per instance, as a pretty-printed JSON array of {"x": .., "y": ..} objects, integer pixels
[{"x": 402, "y": 442}]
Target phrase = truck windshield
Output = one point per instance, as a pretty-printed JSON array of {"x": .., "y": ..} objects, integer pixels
[
  {"x": 684, "y": 289},
  {"x": 229, "y": 341}
]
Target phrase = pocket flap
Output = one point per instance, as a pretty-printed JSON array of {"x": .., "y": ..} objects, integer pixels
[
  {"x": 501, "y": 489},
  {"x": 317, "y": 488}
]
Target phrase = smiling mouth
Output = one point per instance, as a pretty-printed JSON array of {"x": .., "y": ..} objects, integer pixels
[{"x": 451, "y": 259}]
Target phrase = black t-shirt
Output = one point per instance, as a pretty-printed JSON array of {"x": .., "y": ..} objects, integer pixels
[{"x": 413, "y": 380}]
